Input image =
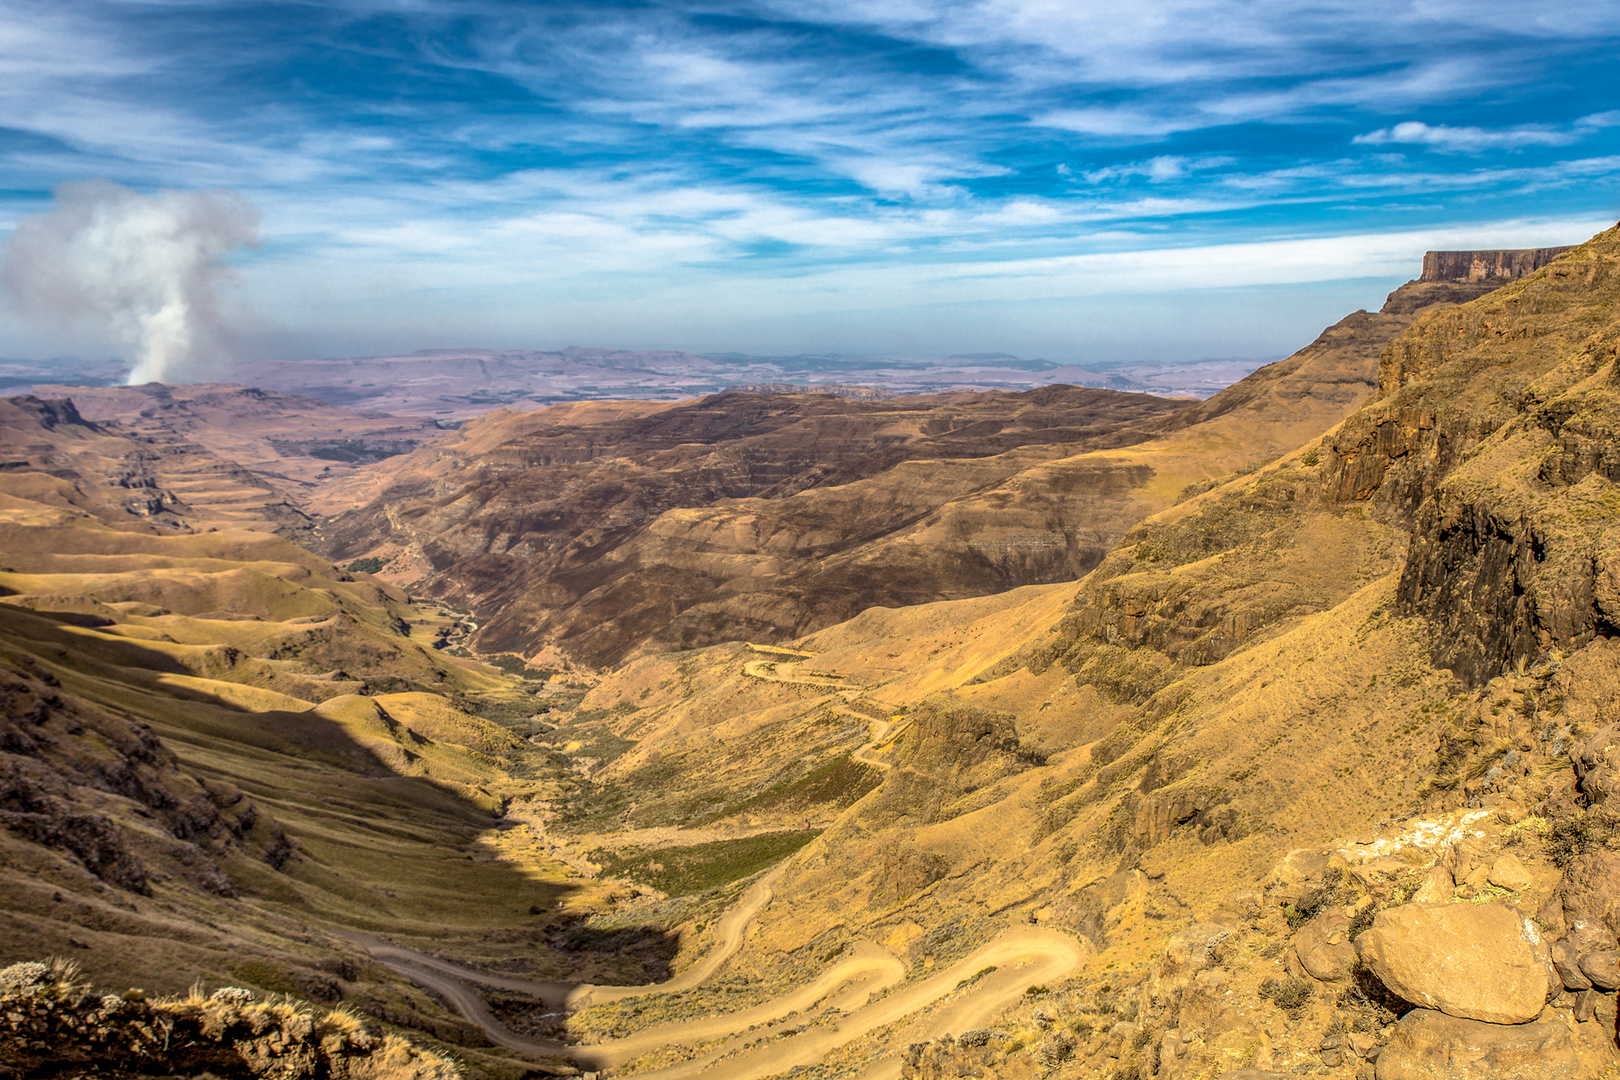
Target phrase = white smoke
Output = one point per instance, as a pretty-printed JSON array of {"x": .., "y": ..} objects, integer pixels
[{"x": 143, "y": 270}]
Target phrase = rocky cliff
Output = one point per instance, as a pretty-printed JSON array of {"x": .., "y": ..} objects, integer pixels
[{"x": 1497, "y": 266}]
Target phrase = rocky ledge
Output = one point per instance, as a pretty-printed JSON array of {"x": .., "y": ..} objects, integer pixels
[{"x": 53, "y": 1026}]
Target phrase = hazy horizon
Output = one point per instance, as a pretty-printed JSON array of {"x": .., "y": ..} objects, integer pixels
[{"x": 1168, "y": 183}]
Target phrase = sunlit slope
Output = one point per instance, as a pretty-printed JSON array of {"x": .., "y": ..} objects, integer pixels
[
  {"x": 1324, "y": 647},
  {"x": 598, "y": 540},
  {"x": 51, "y": 454}
]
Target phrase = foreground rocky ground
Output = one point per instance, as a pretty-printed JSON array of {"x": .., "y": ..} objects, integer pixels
[{"x": 52, "y": 1025}]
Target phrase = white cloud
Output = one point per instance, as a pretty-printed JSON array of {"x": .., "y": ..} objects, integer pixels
[{"x": 1466, "y": 139}]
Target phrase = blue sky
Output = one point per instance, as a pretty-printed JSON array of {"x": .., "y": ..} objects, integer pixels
[{"x": 1088, "y": 182}]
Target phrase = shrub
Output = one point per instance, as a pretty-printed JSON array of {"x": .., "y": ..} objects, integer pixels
[
  {"x": 1302, "y": 911},
  {"x": 368, "y": 565},
  {"x": 1310, "y": 457},
  {"x": 1289, "y": 994}
]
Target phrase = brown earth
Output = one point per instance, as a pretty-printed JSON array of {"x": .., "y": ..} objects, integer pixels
[
  {"x": 1293, "y": 696},
  {"x": 1374, "y": 672},
  {"x": 613, "y": 535},
  {"x": 758, "y": 517}
]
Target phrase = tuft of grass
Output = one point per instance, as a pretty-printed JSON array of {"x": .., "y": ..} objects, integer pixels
[
  {"x": 976, "y": 976},
  {"x": 1289, "y": 994},
  {"x": 1567, "y": 839}
]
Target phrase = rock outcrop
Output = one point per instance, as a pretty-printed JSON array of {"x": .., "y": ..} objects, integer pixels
[
  {"x": 1497, "y": 266},
  {"x": 1428, "y": 1045},
  {"x": 1476, "y": 961},
  {"x": 50, "y": 1025}
]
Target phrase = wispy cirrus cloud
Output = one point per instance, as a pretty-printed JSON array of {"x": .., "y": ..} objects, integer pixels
[{"x": 594, "y": 147}]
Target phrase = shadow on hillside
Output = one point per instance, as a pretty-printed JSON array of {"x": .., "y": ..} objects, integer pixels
[{"x": 371, "y": 852}]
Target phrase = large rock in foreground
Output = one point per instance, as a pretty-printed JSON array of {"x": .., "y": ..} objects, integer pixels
[
  {"x": 1476, "y": 961},
  {"x": 1428, "y": 1045}
]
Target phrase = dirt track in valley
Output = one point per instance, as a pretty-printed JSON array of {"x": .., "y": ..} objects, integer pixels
[{"x": 826, "y": 1013}]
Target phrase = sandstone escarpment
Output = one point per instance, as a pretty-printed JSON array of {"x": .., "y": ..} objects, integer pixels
[{"x": 1486, "y": 265}]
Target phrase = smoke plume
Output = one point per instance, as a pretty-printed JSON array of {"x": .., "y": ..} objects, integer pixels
[{"x": 143, "y": 270}]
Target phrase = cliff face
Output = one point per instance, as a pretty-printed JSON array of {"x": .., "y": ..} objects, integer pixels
[
  {"x": 1493, "y": 432},
  {"x": 1498, "y": 266}
]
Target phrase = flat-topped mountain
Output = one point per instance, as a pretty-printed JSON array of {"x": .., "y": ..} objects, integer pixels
[{"x": 1494, "y": 266}]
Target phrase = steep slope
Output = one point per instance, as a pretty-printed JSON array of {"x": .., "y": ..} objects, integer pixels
[
  {"x": 219, "y": 754},
  {"x": 1217, "y": 742},
  {"x": 546, "y": 522},
  {"x": 772, "y": 516}
]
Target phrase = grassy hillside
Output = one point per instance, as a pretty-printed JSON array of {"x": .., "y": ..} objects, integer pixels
[{"x": 1408, "y": 616}]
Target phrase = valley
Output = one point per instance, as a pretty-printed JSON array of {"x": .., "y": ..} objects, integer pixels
[{"x": 1063, "y": 733}]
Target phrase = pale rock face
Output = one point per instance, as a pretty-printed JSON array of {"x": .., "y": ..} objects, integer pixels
[
  {"x": 1437, "y": 887},
  {"x": 1429, "y": 1045},
  {"x": 1509, "y": 873},
  {"x": 1475, "y": 961}
]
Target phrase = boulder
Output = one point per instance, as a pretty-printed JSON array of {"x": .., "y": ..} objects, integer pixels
[
  {"x": 1324, "y": 950},
  {"x": 1437, "y": 887},
  {"x": 1185, "y": 955},
  {"x": 1295, "y": 874},
  {"x": 1476, "y": 961},
  {"x": 1567, "y": 962},
  {"x": 1429, "y": 1045},
  {"x": 1590, "y": 1003},
  {"x": 1603, "y": 968},
  {"x": 1509, "y": 873},
  {"x": 1595, "y": 771},
  {"x": 1590, "y": 891},
  {"x": 1119, "y": 1038}
]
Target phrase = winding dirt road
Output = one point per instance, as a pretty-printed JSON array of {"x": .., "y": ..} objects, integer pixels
[{"x": 800, "y": 1027}]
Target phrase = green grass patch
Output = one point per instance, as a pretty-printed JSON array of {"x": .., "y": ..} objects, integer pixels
[
  {"x": 366, "y": 566},
  {"x": 841, "y": 782},
  {"x": 682, "y": 871},
  {"x": 267, "y": 975}
]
